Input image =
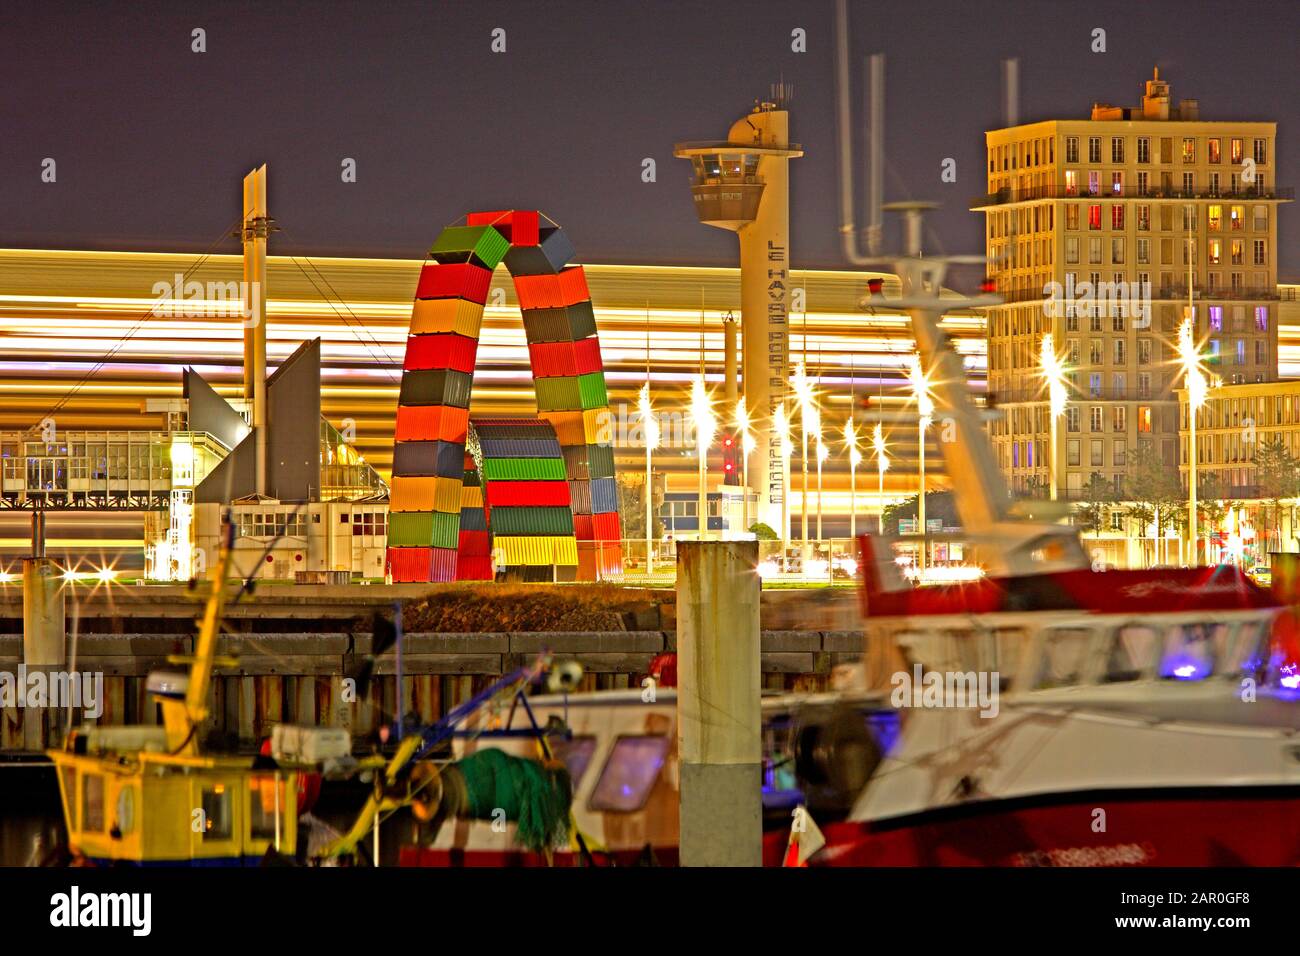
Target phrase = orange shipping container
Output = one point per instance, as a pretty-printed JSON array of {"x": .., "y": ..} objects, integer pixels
[
  {"x": 431, "y": 423},
  {"x": 425, "y": 494},
  {"x": 446, "y": 315}
]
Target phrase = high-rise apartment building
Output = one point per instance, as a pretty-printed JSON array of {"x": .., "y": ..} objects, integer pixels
[{"x": 1092, "y": 227}]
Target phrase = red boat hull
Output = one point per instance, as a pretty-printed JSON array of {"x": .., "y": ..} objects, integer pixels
[{"x": 1219, "y": 827}]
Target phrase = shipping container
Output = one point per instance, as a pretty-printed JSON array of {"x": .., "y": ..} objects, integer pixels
[
  {"x": 440, "y": 350},
  {"x": 410, "y": 529},
  {"x": 558, "y": 394},
  {"x": 461, "y": 316},
  {"x": 552, "y": 521},
  {"x": 546, "y": 325},
  {"x": 599, "y": 562},
  {"x": 521, "y": 226},
  {"x": 436, "y": 386},
  {"x": 581, "y": 320},
  {"x": 459, "y": 280},
  {"x": 442, "y": 564},
  {"x": 580, "y": 496},
  {"x": 552, "y": 291},
  {"x": 528, "y": 493},
  {"x": 471, "y": 496},
  {"x": 587, "y": 355},
  {"x": 600, "y": 461},
  {"x": 409, "y": 565},
  {"x": 582, "y": 462},
  {"x": 604, "y": 495},
  {"x": 431, "y": 423},
  {"x": 541, "y": 550},
  {"x": 474, "y": 542},
  {"x": 583, "y": 529},
  {"x": 606, "y": 526},
  {"x": 428, "y": 459},
  {"x": 570, "y": 427},
  {"x": 425, "y": 494},
  {"x": 553, "y": 359},
  {"x": 507, "y": 428},
  {"x": 520, "y": 448},
  {"x": 549, "y": 256},
  {"x": 591, "y": 389},
  {"x": 478, "y": 245},
  {"x": 474, "y": 567},
  {"x": 597, "y": 427},
  {"x": 473, "y": 519},
  {"x": 522, "y": 469}
]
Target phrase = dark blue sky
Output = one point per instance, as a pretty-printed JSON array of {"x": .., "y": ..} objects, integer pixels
[{"x": 151, "y": 139}]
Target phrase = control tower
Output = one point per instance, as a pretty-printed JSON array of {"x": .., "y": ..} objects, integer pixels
[{"x": 742, "y": 184}]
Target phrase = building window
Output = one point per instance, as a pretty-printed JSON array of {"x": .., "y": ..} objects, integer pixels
[
  {"x": 1095, "y": 414},
  {"x": 1236, "y": 252},
  {"x": 1119, "y": 352},
  {"x": 1119, "y": 418},
  {"x": 1260, "y": 258},
  {"x": 1094, "y": 182},
  {"x": 1261, "y": 218},
  {"x": 1189, "y": 149},
  {"x": 1094, "y": 251},
  {"x": 1144, "y": 149},
  {"x": 1236, "y": 153},
  {"x": 1260, "y": 352},
  {"x": 1189, "y": 184},
  {"x": 1094, "y": 149},
  {"x": 1144, "y": 251},
  {"x": 1071, "y": 248},
  {"x": 1216, "y": 318},
  {"x": 1144, "y": 385},
  {"x": 1117, "y": 183},
  {"x": 1071, "y": 182},
  {"x": 1143, "y": 419},
  {"x": 1072, "y": 419},
  {"x": 1144, "y": 183},
  {"x": 1236, "y": 216},
  {"x": 1117, "y": 251},
  {"x": 1215, "y": 252},
  {"x": 1214, "y": 184},
  {"x": 1094, "y": 358},
  {"x": 1094, "y": 216},
  {"x": 1117, "y": 149},
  {"x": 1072, "y": 453},
  {"x": 1144, "y": 352},
  {"x": 1215, "y": 218},
  {"x": 1117, "y": 216},
  {"x": 1094, "y": 453},
  {"x": 1261, "y": 318},
  {"x": 1144, "y": 218},
  {"x": 1261, "y": 152},
  {"x": 1071, "y": 149},
  {"x": 1072, "y": 216},
  {"x": 1212, "y": 150},
  {"x": 1117, "y": 520}
]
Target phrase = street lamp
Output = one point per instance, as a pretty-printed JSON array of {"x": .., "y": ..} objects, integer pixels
[
  {"x": 822, "y": 454},
  {"x": 706, "y": 425},
  {"x": 650, "y": 426},
  {"x": 925, "y": 409},
  {"x": 803, "y": 391},
  {"x": 1189, "y": 355},
  {"x": 855, "y": 458},
  {"x": 782, "y": 428},
  {"x": 747, "y": 445},
  {"x": 882, "y": 466},
  {"x": 1053, "y": 371}
]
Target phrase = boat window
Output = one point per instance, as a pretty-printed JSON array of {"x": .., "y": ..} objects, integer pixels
[
  {"x": 1011, "y": 643},
  {"x": 216, "y": 812},
  {"x": 92, "y": 803},
  {"x": 1065, "y": 651},
  {"x": 1249, "y": 654},
  {"x": 261, "y": 806},
  {"x": 576, "y": 753},
  {"x": 69, "y": 774},
  {"x": 629, "y": 773},
  {"x": 1189, "y": 652},
  {"x": 1132, "y": 650}
]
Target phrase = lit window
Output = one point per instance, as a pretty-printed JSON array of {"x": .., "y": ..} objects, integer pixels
[
  {"x": 1189, "y": 150},
  {"x": 629, "y": 774}
]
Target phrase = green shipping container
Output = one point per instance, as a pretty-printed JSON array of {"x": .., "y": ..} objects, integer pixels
[
  {"x": 423, "y": 529},
  {"x": 460, "y": 243},
  {"x": 591, "y": 388},
  {"x": 512, "y": 520},
  {"x": 523, "y": 469},
  {"x": 559, "y": 394}
]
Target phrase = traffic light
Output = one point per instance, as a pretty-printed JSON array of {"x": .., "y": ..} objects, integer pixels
[{"x": 730, "y": 461}]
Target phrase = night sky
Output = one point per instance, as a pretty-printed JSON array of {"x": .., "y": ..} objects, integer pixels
[{"x": 151, "y": 139}]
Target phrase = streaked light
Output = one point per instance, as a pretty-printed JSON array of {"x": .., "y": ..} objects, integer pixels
[
  {"x": 920, "y": 390},
  {"x": 1189, "y": 355},
  {"x": 1053, "y": 371},
  {"x": 649, "y": 423}
]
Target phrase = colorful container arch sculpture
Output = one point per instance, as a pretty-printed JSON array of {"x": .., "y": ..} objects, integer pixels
[{"x": 536, "y": 498}]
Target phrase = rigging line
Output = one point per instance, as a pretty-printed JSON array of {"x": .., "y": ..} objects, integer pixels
[
  {"x": 340, "y": 299},
  {"x": 384, "y": 360},
  {"x": 121, "y": 343}
]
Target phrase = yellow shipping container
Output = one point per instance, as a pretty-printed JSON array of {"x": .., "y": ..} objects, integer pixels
[
  {"x": 471, "y": 496},
  {"x": 447, "y": 315},
  {"x": 425, "y": 494},
  {"x": 543, "y": 550}
]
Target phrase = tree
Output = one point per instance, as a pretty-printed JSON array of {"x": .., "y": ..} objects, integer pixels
[
  {"x": 1153, "y": 490},
  {"x": 1091, "y": 514},
  {"x": 1277, "y": 473},
  {"x": 631, "y": 507},
  {"x": 938, "y": 504},
  {"x": 764, "y": 532}
]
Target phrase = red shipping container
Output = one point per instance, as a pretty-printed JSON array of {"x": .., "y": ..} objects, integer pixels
[
  {"x": 431, "y": 423},
  {"x": 440, "y": 350},
  {"x": 408, "y": 565},
  {"x": 582, "y": 528},
  {"x": 586, "y": 353},
  {"x": 553, "y": 359},
  {"x": 540, "y": 494},
  {"x": 474, "y": 542},
  {"x": 474, "y": 567},
  {"x": 573, "y": 285},
  {"x": 605, "y": 526},
  {"x": 460, "y": 280},
  {"x": 442, "y": 567},
  {"x": 597, "y": 562},
  {"x": 521, "y": 226}
]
